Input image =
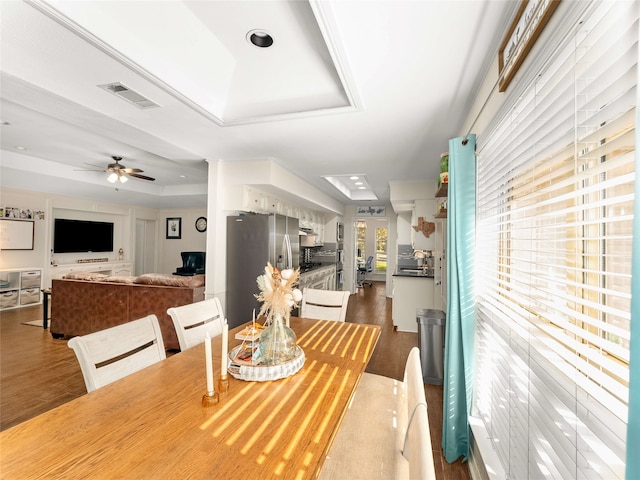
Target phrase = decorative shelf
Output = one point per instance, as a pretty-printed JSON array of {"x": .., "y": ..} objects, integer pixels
[
  {"x": 443, "y": 190},
  {"x": 441, "y": 214}
]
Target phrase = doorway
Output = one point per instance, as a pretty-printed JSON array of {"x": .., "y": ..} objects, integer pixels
[
  {"x": 146, "y": 246},
  {"x": 372, "y": 240}
]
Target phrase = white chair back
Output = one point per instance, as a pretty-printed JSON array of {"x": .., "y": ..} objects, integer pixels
[
  {"x": 413, "y": 380},
  {"x": 324, "y": 304},
  {"x": 193, "y": 321},
  {"x": 418, "y": 446},
  {"x": 114, "y": 353}
]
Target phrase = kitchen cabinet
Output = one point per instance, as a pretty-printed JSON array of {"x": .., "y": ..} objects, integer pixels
[
  {"x": 20, "y": 287},
  {"x": 321, "y": 278},
  {"x": 257, "y": 201},
  {"x": 409, "y": 294}
]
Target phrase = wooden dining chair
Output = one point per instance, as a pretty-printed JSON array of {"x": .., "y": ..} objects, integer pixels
[
  {"x": 193, "y": 321},
  {"x": 324, "y": 304},
  {"x": 108, "y": 355}
]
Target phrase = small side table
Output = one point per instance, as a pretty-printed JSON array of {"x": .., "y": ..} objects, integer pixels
[{"x": 46, "y": 294}]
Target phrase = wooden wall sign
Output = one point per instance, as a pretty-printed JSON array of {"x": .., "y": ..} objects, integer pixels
[
  {"x": 525, "y": 29},
  {"x": 427, "y": 228}
]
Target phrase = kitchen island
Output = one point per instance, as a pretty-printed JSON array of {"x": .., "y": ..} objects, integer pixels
[{"x": 412, "y": 289}]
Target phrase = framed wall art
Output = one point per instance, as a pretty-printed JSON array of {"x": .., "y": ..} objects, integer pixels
[
  {"x": 530, "y": 20},
  {"x": 370, "y": 211},
  {"x": 16, "y": 234},
  {"x": 174, "y": 228}
]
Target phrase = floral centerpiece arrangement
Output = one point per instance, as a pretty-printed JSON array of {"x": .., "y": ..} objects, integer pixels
[{"x": 278, "y": 294}]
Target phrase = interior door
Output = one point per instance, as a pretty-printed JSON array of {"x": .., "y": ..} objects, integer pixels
[{"x": 145, "y": 249}]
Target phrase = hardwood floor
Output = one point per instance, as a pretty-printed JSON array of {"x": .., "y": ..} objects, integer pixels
[{"x": 38, "y": 373}]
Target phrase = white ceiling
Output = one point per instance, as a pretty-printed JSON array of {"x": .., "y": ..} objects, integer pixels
[{"x": 348, "y": 87}]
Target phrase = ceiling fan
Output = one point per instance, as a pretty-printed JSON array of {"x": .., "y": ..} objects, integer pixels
[{"x": 120, "y": 172}]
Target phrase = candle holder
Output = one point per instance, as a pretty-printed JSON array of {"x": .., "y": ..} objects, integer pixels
[
  {"x": 223, "y": 384},
  {"x": 210, "y": 398}
]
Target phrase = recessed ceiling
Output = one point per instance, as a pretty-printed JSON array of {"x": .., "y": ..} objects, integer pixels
[
  {"x": 208, "y": 64},
  {"x": 353, "y": 186},
  {"x": 322, "y": 100}
]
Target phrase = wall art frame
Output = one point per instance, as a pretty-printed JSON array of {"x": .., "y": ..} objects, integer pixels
[
  {"x": 531, "y": 18},
  {"x": 174, "y": 228}
]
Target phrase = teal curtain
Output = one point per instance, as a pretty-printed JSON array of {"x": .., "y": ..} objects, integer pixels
[
  {"x": 459, "y": 332},
  {"x": 633, "y": 422}
]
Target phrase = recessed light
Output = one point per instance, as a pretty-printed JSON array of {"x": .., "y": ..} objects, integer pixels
[
  {"x": 20, "y": 148},
  {"x": 260, "y": 38},
  {"x": 354, "y": 177},
  {"x": 358, "y": 183}
]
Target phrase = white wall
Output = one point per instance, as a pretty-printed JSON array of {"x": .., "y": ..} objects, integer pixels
[
  {"x": 191, "y": 240},
  {"x": 124, "y": 218},
  {"x": 40, "y": 253}
]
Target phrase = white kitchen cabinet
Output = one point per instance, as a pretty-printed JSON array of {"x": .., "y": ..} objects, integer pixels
[
  {"x": 409, "y": 294},
  {"x": 254, "y": 200},
  {"x": 322, "y": 278},
  {"x": 20, "y": 287}
]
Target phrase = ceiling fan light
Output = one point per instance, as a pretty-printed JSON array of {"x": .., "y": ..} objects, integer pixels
[
  {"x": 113, "y": 178},
  {"x": 123, "y": 179}
]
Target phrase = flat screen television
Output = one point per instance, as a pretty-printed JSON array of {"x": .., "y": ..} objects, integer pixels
[{"x": 74, "y": 236}]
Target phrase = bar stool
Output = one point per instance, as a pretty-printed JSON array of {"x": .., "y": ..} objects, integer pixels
[{"x": 46, "y": 295}]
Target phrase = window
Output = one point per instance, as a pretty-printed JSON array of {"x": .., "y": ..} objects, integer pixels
[
  {"x": 362, "y": 239},
  {"x": 381, "y": 250},
  {"x": 555, "y": 213}
]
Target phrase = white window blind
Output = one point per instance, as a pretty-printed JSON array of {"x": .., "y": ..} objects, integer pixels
[{"x": 555, "y": 214}]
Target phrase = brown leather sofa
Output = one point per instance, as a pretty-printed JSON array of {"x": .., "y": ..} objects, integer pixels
[{"x": 83, "y": 303}]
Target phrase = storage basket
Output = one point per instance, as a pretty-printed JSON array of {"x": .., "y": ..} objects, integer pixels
[
  {"x": 9, "y": 299},
  {"x": 30, "y": 279},
  {"x": 29, "y": 295}
]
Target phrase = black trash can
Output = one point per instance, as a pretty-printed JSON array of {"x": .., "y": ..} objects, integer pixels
[{"x": 431, "y": 330}]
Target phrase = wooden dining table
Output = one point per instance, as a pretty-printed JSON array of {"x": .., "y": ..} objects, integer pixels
[{"x": 152, "y": 425}]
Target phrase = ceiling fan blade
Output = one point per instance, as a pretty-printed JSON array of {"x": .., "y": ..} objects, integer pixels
[
  {"x": 142, "y": 177},
  {"x": 131, "y": 170}
]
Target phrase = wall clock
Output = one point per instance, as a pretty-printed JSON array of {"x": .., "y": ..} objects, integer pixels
[{"x": 201, "y": 224}]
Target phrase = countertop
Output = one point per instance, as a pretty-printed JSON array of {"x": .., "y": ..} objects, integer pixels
[{"x": 414, "y": 272}]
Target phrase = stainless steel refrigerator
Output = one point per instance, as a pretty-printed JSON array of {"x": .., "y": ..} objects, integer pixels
[{"x": 252, "y": 241}]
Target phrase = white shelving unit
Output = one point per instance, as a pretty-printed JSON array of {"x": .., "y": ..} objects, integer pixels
[
  {"x": 20, "y": 287},
  {"x": 108, "y": 268}
]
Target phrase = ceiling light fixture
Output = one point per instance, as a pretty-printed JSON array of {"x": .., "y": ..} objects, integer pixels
[
  {"x": 260, "y": 38},
  {"x": 114, "y": 177}
]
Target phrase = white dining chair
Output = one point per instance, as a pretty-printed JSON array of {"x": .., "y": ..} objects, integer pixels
[
  {"x": 413, "y": 381},
  {"x": 114, "y": 353},
  {"x": 417, "y": 448},
  {"x": 373, "y": 441},
  {"x": 193, "y": 321},
  {"x": 324, "y": 304}
]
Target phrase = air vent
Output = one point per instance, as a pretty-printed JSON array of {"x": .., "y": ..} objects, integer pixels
[{"x": 129, "y": 95}]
